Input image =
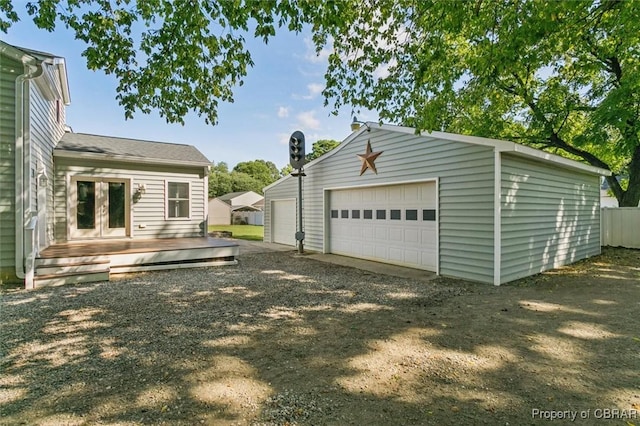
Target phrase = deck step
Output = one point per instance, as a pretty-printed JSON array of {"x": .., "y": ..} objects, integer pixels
[
  {"x": 71, "y": 270},
  {"x": 70, "y": 278}
]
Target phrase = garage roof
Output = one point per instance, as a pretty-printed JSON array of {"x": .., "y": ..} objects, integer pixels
[{"x": 498, "y": 145}]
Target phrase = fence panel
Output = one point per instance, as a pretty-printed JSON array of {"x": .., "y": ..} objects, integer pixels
[
  {"x": 620, "y": 227},
  {"x": 248, "y": 218}
]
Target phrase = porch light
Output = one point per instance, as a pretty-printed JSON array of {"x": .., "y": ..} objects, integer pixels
[{"x": 355, "y": 124}]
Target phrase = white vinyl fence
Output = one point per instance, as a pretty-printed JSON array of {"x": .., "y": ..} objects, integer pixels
[
  {"x": 620, "y": 227},
  {"x": 247, "y": 218}
]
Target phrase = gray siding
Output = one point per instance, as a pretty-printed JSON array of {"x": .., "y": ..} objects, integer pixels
[
  {"x": 149, "y": 210},
  {"x": 45, "y": 130},
  {"x": 9, "y": 70},
  {"x": 466, "y": 176},
  {"x": 550, "y": 217}
]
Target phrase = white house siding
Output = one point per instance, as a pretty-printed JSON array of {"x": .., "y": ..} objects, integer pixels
[
  {"x": 550, "y": 217},
  {"x": 9, "y": 70},
  {"x": 148, "y": 214},
  {"x": 466, "y": 176},
  {"x": 45, "y": 130}
]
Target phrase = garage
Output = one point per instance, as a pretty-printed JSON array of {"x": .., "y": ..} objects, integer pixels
[
  {"x": 392, "y": 223},
  {"x": 283, "y": 221},
  {"x": 462, "y": 206}
]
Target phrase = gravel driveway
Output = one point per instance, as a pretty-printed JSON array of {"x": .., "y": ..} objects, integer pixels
[{"x": 283, "y": 339}]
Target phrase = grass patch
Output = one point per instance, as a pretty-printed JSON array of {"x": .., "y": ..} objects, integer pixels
[{"x": 242, "y": 232}]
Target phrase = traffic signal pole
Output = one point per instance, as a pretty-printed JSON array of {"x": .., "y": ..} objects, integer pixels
[
  {"x": 296, "y": 159},
  {"x": 300, "y": 233}
]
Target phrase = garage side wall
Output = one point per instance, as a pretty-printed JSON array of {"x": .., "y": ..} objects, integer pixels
[
  {"x": 550, "y": 217},
  {"x": 466, "y": 181},
  {"x": 287, "y": 189}
]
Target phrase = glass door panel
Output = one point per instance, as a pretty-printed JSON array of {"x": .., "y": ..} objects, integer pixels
[
  {"x": 99, "y": 208},
  {"x": 114, "y": 224}
]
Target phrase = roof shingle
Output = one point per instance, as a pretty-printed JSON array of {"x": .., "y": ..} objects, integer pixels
[{"x": 131, "y": 148}]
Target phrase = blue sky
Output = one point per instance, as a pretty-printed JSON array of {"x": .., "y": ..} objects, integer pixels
[{"x": 281, "y": 94}]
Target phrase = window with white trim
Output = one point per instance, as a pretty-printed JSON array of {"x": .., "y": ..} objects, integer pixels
[{"x": 178, "y": 195}]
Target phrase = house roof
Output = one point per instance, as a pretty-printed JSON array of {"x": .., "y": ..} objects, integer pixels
[
  {"x": 33, "y": 57},
  {"x": 232, "y": 195},
  {"x": 81, "y": 145},
  {"x": 498, "y": 146}
]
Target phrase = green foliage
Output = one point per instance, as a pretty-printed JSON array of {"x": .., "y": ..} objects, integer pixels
[
  {"x": 321, "y": 147},
  {"x": 7, "y": 15},
  {"x": 286, "y": 170},
  {"x": 170, "y": 56},
  {"x": 558, "y": 75},
  {"x": 264, "y": 171},
  {"x": 562, "y": 76},
  {"x": 245, "y": 176}
]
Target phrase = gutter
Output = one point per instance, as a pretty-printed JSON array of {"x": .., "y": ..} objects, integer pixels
[
  {"x": 99, "y": 156},
  {"x": 23, "y": 161}
]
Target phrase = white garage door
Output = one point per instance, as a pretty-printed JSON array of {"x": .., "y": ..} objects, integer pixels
[
  {"x": 393, "y": 224},
  {"x": 283, "y": 222}
]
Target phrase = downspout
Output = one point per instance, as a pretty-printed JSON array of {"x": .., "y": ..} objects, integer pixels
[
  {"x": 23, "y": 164},
  {"x": 497, "y": 217}
]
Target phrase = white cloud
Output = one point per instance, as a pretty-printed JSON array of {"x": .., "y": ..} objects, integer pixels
[
  {"x": 315, "y": 89},
  {"x": 308, "y": 120},
  {"x": 283, "y": 112},
  {"x": 315, "y": 57}
]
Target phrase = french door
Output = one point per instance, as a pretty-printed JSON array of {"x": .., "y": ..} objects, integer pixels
[{"x": 99, "y": 207}]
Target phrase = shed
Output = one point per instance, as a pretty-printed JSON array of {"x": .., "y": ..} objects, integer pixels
[
  {"x": 236, "y": 207},
  {"x": 462, "y": 206}
]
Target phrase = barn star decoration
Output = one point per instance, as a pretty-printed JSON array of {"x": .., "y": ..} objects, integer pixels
[{"x": 368, "y": 159}]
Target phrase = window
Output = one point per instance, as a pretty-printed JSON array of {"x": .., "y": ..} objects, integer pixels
[
  {"x": 178, "y": 200},
  {"x": 395, "y": 214},
  {"x": 411, "y": 214},
  {"x": 368, "y": 214},
  {"x": 428, "y": 215},
  {"x": 334, "y": 214},
  {"x": 355, "y": 214},
  {"x": 344, "y": 214},
  {"x": 381, "y": 214}
]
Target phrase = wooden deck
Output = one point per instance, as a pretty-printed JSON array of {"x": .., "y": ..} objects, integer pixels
[
  {"x": 111, "y": 247},
  {"x": 89, "y": 261}
]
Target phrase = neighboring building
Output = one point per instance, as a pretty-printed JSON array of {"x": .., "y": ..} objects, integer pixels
[
  {"x": 461, "y": 206},
  {"x": 236, "y": 207},
  {"x": 63, "y": 195}
]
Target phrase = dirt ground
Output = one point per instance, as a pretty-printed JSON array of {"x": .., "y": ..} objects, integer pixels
[{"x": 282, "y": 339}]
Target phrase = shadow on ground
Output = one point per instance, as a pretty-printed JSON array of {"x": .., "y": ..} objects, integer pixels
[{"x": 281, "y": 339}]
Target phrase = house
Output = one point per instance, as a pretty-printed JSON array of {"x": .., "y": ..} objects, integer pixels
[
  {"x": 236, "y": 207},
  {"x": 77, "y": 207},
  {"x": 461, "y": 206}
]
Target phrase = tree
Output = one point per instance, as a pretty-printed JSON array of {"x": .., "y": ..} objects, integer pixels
[
  {"x": 321, "y": 147},
  {"x": 286, "y": 170},
  {"x": 263, "y": 171},
  {"x": 220, "y": 182},
  {"x": 561, "y": 76},
  {"x": 244, "y": 182},
  {"x": 245, "y": 176},
  {"x": 169, "y": 56}
]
